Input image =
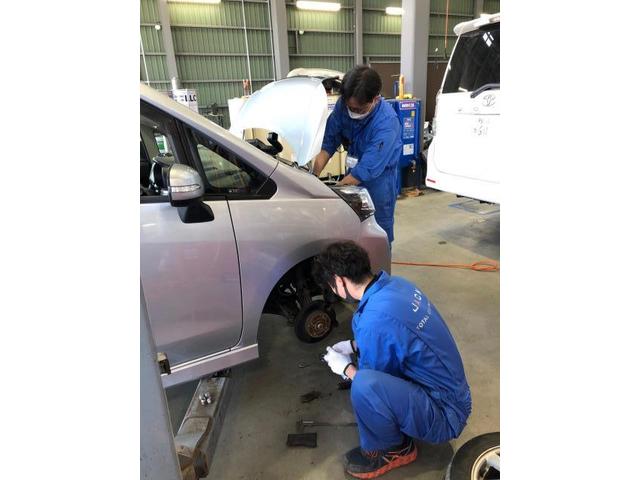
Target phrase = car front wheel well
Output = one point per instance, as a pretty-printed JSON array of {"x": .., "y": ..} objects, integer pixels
[{"x": 305, "y": 305}]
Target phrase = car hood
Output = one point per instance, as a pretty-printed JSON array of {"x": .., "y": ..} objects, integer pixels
[
  {"x": 295, "y": 108},
  {"x": 320, "y": 73}
]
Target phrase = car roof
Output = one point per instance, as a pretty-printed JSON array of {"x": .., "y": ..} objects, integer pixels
[{"x": 476, "y": 23}]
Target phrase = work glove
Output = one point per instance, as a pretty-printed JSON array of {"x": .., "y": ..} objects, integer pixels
[
  {"x": 338, "y": 362},
  {"x": 345, "y": 347}
]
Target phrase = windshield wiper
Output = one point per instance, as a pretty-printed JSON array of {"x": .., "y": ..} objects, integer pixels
[{"x": 488, "y": 86}]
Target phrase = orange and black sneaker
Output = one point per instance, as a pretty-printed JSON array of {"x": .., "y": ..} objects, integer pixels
[{"x": 363, "y": 464}]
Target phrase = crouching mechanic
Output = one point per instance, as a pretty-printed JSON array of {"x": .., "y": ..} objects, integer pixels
[{"x": 409, "y": 382}]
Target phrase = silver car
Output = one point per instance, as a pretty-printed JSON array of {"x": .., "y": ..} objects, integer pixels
[{"x": 228, "y": 231}]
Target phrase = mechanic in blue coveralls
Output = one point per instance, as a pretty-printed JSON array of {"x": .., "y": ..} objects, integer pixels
[
  {"x": 409, "y": 382},
  {"x": 370, "y": 130}
]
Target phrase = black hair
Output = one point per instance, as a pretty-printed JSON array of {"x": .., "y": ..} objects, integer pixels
[
  {"x": 345, "y": 259},
  {"x": 362, "y": 83}
]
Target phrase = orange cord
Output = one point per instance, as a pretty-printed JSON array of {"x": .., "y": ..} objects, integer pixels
[{"x": 482, "y": 266}]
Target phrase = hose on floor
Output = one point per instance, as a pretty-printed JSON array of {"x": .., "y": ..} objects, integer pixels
[{"x": 481, "y": 266}]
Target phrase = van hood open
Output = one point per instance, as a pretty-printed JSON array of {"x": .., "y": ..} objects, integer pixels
[{"x": 295, "y": 108}]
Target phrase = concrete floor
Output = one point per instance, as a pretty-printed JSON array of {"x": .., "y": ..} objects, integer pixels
[{"x": 265, "y": 399}]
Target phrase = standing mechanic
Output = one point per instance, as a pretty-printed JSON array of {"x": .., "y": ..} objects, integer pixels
[
  {"x": 370, "y": 130},
  {"x": 410, "y": 382}
]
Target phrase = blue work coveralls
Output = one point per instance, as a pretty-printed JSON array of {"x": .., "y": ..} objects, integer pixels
[
  {"x": 410, "y": 379},
  {"x": 376, "y": 142}
]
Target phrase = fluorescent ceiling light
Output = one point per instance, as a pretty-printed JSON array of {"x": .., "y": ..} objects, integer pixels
[
  {"x": 393, "y": 10},
  {"x": 194, "y": 1},
  {"x": 321, "y": 6}
]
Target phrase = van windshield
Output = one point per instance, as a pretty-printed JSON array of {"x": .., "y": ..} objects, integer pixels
[{"x": 475, "y": 61}]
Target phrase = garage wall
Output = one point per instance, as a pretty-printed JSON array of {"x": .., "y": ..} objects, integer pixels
[
  {"x": 321, "y": 39},
  {"x": 380, "y": 32},
  {"x": 381, "y": 36},
  {"x": 211, "y": 55},
  {"x": 210, "y": 49},
  {"x": 491, "y": 6},
  {"x": 154, "y": 60}
]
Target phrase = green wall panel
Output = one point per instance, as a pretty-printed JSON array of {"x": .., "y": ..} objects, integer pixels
[
  {"x": 374, "y": 21},
  {"x": 455, "y": 6},
  {"x": 149, "y": 11},
  {"x": 302, "y": 19},
  {"x": 223, "y": 14},
  {"x": 381, "y": 3},
  {"x": 342, "y": 64},
  {"x": 438, "y": 22},
  {"x": 222, "y": 68},
  {"x": 437, "y": 48},
  {"x": 381, "y": 44},
  {"x": 394, "y": 59},
  {"x": 216, "y": 76},
  {"x": 151, "y": 40},
  {"x": 156, "y": 66},
  {"x": 323, "y": 45},
  {"x": 491, "y": 6},
  {"x": 210, "y": 40},
  {"x": 327, "y": 43}
]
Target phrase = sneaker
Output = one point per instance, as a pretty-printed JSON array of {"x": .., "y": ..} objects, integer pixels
[{"x": 363, "y": 464}]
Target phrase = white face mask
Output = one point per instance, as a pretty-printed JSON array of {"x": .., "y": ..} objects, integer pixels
[
  {"x": 357, "y": 116},
  {"x": 360, "y": 116}
]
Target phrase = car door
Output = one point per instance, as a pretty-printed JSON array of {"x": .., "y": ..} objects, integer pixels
[
  {"x": 189, "y": 272},
  {"x": 468, "y": 108}
]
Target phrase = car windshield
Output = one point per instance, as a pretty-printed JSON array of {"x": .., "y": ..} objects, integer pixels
[{"x": 475, "y": 61}]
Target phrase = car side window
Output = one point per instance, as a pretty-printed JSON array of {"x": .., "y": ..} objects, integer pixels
[
  {"x": 224, "y": 172},
  {"x": 159, "y": 149}
]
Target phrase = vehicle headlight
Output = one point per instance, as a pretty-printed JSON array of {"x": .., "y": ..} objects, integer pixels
[{"x": 358, "y": 199}]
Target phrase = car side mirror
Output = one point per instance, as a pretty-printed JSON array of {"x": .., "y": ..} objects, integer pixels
[
  {"x": 186, "y": 191},
  {"x": 185, "y": 185}
]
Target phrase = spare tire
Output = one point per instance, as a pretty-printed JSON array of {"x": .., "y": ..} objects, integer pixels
[{"x": 478, "y": 459}]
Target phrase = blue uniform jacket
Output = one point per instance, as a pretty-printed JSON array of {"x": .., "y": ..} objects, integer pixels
[
  {"x": 399, "y": 331},
  {"x": 376, "y": 142}
]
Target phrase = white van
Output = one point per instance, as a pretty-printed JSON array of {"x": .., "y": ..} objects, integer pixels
[{"x": 463, "y": 156}]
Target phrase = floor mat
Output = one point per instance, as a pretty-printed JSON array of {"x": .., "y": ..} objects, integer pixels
[{"x": 474, "y": 206}]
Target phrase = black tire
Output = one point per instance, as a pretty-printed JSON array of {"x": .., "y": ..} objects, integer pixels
[
  {"x": 314, "y": 322},
  {"x": 462, "y": 464}
]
